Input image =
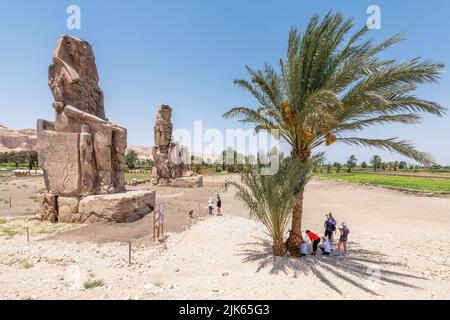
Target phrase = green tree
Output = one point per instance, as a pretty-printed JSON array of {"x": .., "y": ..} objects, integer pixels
[
  {"x": 376, "y": 163},
  {"x": 351, "y": 163},
  {"x": 329, "y": 87},
  {"x": 131, "y": 159},
  {"x": 364, "y": 165},
  {"x": 338, "y": 166},
  {"x": 403, "y": 165},
  {"x": 396, "y": 164}
]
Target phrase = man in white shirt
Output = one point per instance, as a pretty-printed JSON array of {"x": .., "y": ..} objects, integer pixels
[
  {"x": 325, "y": 246},
  {"x": 304, "y": 249},
  {"x": 210, "y": 207}
]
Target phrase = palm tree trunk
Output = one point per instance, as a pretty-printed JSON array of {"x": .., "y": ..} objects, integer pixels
[
  {"x": 279, "y": 248},
  {"x": 295, "y": 236}
]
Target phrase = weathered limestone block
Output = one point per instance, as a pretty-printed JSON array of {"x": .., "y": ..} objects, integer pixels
[
  {"x": 188, "y": 182},
  {"x": 67, "y": 208},
  {"x": 59, "y": 158},
  {"x": 70, "y": 119},
  {"x": 48, "y": 206},
  {"x": 119, "y": 146},
  {"x": 162, "y": 162},
  {"x": 163, "y": 125},
  {"x": 73, "y": 77},
  {"x": 102, "y": 148},
  {"x": 119, "y": 207},
  {"x": 154, "y": 172},
  {"x": 87, "y": 161},
  {"x": 171, "y": 159}
]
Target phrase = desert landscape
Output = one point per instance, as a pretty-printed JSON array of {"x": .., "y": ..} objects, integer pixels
[
  {"x": 145, "y": 177},
  {"x": 386, "y": 260}
]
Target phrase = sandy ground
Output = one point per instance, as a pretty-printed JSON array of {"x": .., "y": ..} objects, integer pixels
[
  {"x": 399, "y": 249},
  {"x": 23, "y": 192}
]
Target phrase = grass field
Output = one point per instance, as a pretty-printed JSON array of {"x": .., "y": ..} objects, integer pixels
[
  {"x": 404, "y": 182},
  {"x": 129, "y": 176}
]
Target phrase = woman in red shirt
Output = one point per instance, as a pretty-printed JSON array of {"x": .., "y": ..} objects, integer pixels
[{"x": 315, "y": 239}]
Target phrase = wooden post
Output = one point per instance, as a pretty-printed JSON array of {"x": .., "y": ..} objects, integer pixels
[
  {"x": 10, "y": 202},
  {"x": 28, "y": 235},
  {"x": 129, "y": 253}
]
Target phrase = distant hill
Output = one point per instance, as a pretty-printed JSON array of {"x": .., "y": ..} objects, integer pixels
[
  {"x": 144, "y": 153},
  {"x": 26, "y": 139},
  {"x": 17, "y": 140}
]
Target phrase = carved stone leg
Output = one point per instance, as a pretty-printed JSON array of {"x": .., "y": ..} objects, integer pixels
[
  {"x": 119, "y": 145},
  {"x": 87, "y": 161},
  {"x": 102, "y": 147}
]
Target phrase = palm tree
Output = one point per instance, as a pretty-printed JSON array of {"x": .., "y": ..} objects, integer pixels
[
  {"x": 376, "y": 162},
  {"x": 351, "y": 163},
  {"x": 270, "y": 197},
  {"x": 327, "y": 89}
]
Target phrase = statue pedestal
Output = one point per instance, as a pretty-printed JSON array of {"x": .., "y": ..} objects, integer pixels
[
  {"x": 188, "y": 182},
  {"x": 118, "y": 207}
]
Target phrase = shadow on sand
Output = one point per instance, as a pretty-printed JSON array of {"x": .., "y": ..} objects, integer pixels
[{"x": 362, "y": 268}]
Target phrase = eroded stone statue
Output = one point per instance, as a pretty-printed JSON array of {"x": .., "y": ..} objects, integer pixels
[
  {"x": 82, "y": 153},
  {"x": 171, "y": 159},
  {"x": 73, "y": 77}
]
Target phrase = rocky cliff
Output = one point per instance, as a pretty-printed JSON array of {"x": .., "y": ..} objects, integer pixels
[{"x": 17, "y": 140}]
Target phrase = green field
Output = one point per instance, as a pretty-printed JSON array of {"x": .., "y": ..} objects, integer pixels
[
  {"x": 140, "y": 176},
  {"x": 404, "y": 182}
]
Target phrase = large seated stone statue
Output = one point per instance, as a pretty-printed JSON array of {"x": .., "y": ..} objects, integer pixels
[
  {"x": 81, "y": 152},
  {"x": 171, "y": 160}
]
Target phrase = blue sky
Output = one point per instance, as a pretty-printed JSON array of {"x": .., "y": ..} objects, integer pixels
[{"x": 187, "y": 54}]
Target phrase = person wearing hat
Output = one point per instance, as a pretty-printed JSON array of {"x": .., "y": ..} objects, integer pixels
[
  {"x": 325, "y": 246},
  {"x": 344, "y": 230}
]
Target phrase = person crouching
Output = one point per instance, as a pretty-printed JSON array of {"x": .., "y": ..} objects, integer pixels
[{"x": 315, "y": 239}]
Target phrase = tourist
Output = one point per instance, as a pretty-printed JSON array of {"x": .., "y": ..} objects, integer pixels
[
  {"x": 304, "y": 248},
  {"x": 333, "y": 221},
  {"x": 329, "y": 227},
  {"x": 226, "y": 185},
  {"x": 315, "y": 239},
  {"x": 344, "y": 230},
  {"x": 210, "y": 207},
  {"x": 325, "y": 246},
  {"x": 219, "y": 205}
]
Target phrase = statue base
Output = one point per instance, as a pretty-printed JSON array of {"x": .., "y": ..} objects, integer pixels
[
  {"x": 194, "y": 181},
  {"x": 117, "y": 207}
]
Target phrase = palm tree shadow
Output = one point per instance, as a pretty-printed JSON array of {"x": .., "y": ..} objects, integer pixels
[{"x": 363, "y": 268}]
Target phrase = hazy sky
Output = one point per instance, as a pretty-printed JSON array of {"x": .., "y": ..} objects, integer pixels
[{"x": 187, "y": 54}]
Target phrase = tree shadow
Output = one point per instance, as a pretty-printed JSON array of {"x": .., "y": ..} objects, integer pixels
[{"x": 362, "y": 268}]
